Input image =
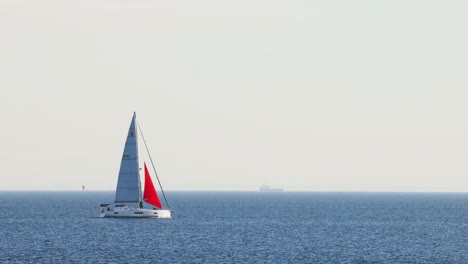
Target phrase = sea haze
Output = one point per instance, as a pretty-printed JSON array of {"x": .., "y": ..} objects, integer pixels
[{"x": 238, "y": 227}]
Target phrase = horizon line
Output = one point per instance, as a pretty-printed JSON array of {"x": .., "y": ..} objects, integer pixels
[{"x": 284, "y": 191}]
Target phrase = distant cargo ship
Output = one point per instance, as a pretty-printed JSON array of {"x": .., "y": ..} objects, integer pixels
[{"x": 267, "y": 188}]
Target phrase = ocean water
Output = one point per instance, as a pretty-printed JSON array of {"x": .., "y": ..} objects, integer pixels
[{"x": 238, "y": 227}]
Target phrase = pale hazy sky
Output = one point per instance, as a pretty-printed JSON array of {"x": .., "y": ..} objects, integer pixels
[{"x": 307, "y": 95}]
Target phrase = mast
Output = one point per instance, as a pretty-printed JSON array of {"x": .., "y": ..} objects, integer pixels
[
  {"x": 152, "y": 164},
  {"x": 138, "y": 162}
]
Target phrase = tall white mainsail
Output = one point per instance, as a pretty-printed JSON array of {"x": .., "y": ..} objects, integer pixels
[{"x": 128, "y": 185}]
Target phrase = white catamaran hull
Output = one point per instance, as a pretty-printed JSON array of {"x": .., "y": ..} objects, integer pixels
[{"x": 137, "y": 213}]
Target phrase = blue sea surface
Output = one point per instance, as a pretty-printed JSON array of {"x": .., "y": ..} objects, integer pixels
[{"x": 238, "y": 227}]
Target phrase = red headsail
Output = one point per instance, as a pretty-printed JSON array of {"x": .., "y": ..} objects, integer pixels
[{"x": 150, "y": 196}]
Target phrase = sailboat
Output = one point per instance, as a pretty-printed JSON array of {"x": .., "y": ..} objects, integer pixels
[{"x": 129, "y": 200}]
